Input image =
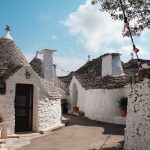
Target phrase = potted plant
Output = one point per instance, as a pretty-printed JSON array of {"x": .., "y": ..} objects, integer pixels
[
  {"x": 123, "y": 102},
  {"x": 1, "y": 119}
]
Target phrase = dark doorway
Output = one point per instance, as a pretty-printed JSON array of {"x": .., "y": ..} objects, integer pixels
[{"x": 23, "y": 107}]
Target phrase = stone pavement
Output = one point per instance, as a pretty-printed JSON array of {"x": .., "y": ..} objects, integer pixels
[
  {"x": 23, "y": 139},
  {"x": 80, "y": 134}
]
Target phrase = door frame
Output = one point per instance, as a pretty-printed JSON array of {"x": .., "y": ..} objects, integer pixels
[{"x": 30, "y": 107}]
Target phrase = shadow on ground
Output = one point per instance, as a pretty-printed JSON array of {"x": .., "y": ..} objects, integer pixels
[
  {"x": 119, "y": 147},
  {"x": 109, "y": 128}
]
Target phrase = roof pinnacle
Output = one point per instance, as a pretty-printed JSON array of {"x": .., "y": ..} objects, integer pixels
[
  {"x": 7, "y": 28},
  {"x": 7, "y": 34}
]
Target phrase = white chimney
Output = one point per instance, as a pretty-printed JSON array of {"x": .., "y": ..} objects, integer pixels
[
  {"x": 111, "y": 65},
  {"x": 48, "y": 68}
]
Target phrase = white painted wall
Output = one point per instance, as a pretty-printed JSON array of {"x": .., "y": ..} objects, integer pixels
[
  {"x": 99, "y": 104},
  {"x": 137, "y": 133},
  {"x": 81, "y": 94},
  {"x": 107, "y": 65},
  {"x": 46, "y": 111},
  {"x": 49, "y": 113},
  {"x": 102, "y": 104}
]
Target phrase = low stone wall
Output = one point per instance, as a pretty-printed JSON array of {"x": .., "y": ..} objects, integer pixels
[{"x": 137, "y": 133}]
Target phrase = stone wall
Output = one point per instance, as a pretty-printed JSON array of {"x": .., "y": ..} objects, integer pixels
[
  {"x": 137, "y": 133},
  {"x": 7, "y": 111},
  {"x": 49, "y": 113}
]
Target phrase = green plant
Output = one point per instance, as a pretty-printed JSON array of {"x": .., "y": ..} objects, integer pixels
[
  {"x": 123, "y": 102},
  {"x": 64, "y": 105}
]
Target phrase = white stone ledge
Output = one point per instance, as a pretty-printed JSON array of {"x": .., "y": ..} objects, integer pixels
[{"x": 58, "y": 126}]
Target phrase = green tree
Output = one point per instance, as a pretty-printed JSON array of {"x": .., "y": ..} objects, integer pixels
[{"x": 136, "y": 11}]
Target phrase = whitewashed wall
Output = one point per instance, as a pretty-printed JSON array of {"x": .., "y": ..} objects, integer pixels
[
  {"x": 102, "y": 104},
  {"x": 99, "y": 104},
  {"x": 49, "y": 113},
  {"x": 43, "y": 107},
  {"x": 81, "y": 94},
  {"x": 137, "y": 135}
]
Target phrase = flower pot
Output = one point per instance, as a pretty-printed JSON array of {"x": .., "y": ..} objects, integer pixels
[
  {"x": 1, "y": 119},
  {"x": 123, "y": 112},
  {"x": 75, "y": 109}
]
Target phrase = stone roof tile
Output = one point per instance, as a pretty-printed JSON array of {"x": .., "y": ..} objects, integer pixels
[
  {"x": 89, "y": 75},
  {"x": 36, "y": 64},
  {"x": 50, "y": 89},
  {"x": 11, "y": 58}
]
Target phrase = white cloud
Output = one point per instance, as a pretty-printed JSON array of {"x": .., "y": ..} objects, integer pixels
[
  {"x": 93, "y": 28},
  {"x": 66, "y": 65},
  {"x": 128, "y": 49}
]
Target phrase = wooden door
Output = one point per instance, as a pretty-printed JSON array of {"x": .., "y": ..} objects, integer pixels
[{"x": 23, "y": 107}]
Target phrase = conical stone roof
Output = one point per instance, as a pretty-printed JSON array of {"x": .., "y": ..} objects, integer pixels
[
  {"x": 36, "y": 64},
  {"x": 11, "y": 57}
]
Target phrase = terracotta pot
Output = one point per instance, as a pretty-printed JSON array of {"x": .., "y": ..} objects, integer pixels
[
  {"x": 123, "y": 112},
  {"x": 75, "y": 109},
  {"x": 1, "y": 119}
]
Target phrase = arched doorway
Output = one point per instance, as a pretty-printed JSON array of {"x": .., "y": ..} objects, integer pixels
[{"x": 74, "y": 96}]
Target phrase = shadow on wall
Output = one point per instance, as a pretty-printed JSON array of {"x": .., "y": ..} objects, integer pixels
[
  {"x": 109, "y": 128},
  {"x": 74, "y": 96}
]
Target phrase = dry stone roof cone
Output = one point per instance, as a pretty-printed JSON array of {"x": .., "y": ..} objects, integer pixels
[{"x": 11, "y": 57}]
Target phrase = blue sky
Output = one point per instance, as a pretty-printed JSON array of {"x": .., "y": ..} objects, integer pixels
[{"x": 73, "y": 27}]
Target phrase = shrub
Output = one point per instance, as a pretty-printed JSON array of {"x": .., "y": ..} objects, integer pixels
[
  {"x": 123, "y": 102},
  {"x": 64, "y": 105}
]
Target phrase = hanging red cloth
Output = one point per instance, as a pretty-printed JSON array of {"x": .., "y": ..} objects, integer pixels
[{"x": 135, "y": 49}]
